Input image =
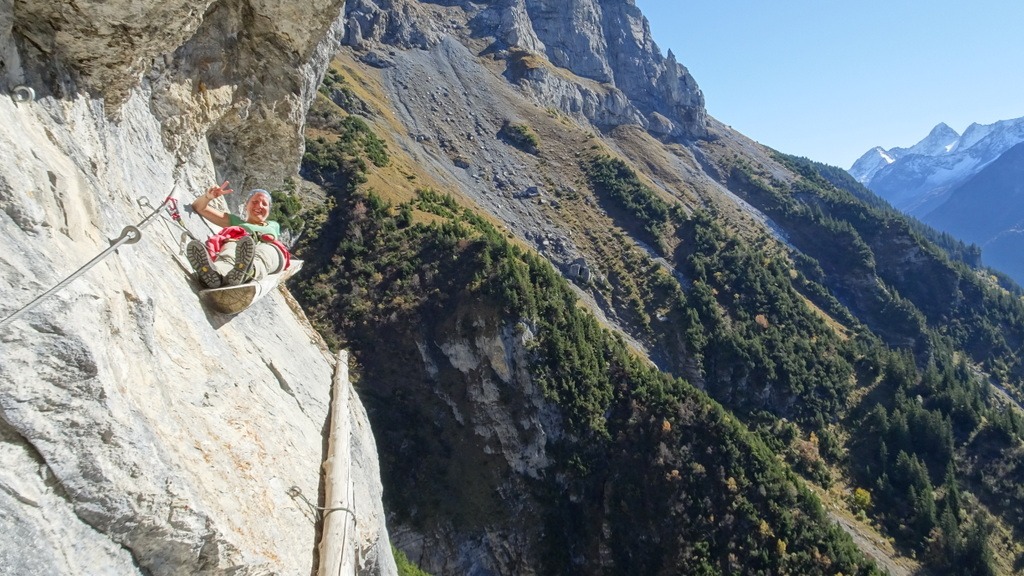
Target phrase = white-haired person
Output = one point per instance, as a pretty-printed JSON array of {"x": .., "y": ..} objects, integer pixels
[{"x": 246, "y": 248}]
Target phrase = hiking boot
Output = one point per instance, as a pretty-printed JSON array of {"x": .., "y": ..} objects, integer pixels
[
  {"x": 245, "y": 249},
  {"x": 199, "y": 258}
]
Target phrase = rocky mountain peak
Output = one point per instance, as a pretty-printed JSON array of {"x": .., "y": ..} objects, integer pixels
[
  {"x": 995, "y": 138},
  {"x": 606, "y": 42},
  {"x": 870, "y": 163},
  {"x": 919, "y": 178},
  {"x": 940, "y": 140}
]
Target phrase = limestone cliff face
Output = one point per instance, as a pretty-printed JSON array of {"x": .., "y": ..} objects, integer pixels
[
  {"x": 483, "y": 439},
  {"x": 607, "y": 43},
  {"x": 610, "y": 42},
  {"x": 140, "y": 433},
  {"x": 237, "y": 75}
]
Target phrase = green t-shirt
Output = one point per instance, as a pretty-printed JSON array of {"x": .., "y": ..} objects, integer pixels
[{"x": 271, "y": 227}]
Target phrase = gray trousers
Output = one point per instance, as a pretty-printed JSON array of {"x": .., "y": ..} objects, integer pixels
[{"x": 267, "y": 260}]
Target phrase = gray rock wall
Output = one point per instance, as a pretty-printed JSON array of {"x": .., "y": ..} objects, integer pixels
[
  {"x": 140, "y": 433},
  {"x": 236, "y": 75},
  {"x": 606, "y": 43},
  {"x": 609, "y": 41}
]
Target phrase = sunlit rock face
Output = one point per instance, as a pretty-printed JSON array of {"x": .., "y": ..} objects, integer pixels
[
  {"x": 139, "y": 432},
  {"x": 236, "y": 74},
  {"x": 623, "y": 77}
]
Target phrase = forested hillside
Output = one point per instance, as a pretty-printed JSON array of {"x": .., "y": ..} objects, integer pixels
[{"x": 734, "y": 378}]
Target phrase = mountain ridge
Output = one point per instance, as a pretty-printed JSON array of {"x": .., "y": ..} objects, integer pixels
[
  {"x": 927, "y": 181},
  {"x": 588, "y": 339},
  {"x": 570, "y": 219},
  {"x": 608, "y": 43},
  {"x": 983, "y": 211},
  {"x": 918, "y": 179}
]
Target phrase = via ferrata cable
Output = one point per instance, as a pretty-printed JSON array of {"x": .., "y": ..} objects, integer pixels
[{"x": 129, "y": 235}]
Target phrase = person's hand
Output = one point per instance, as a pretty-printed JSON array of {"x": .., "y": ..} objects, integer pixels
[{"x": 218, "y": 191}]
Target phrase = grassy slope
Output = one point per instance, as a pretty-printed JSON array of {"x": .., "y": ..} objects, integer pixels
[{"x": 630, "y": 280}]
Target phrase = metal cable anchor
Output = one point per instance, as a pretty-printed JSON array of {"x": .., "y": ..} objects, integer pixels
[{"x": 22, "y": 93}]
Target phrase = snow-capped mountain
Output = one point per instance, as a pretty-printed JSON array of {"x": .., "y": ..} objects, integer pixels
[
  {"x": 870, "y": 163},
  {"x": 939, "y": 141},
  {"x": 968, "y": 185},
  {"x": 919, "y": 179}
]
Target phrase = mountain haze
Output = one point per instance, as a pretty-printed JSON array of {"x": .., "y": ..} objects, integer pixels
[
  {"x": 987, "y": 210},
  {"x": 960, "y": 184},
  {"x": 595, "y": 330}
]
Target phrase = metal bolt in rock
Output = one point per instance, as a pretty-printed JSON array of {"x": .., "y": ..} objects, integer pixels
[{"x": 23, "y": 93}]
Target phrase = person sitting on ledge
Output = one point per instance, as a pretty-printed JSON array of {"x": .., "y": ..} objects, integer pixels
[{"x": 246, "y": 248}]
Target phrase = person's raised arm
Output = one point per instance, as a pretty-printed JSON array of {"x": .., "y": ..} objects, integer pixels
[{"x": 203, "y": 208}]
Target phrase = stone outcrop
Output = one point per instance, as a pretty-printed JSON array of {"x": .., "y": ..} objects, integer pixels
[
  {"x": 610, "y": 42},
  {"x": 601, "y": 104},
  {"x": 496, "y": 429},
  {"x": 618, "y": 75},
  {"x": 235, "y": 76},
  {"x": 140, "y": 433}
]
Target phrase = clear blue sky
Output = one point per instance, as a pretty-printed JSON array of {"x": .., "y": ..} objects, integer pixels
[{"x": 829, "y": 80}]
